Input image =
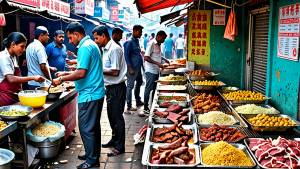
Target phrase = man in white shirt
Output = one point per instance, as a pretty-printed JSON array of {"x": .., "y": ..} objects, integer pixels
[
  {"x": 114, "y": 70},
  {"x": 37, "y": 59},
  {"x": 153, "y": 64},
  {"x": 179, "y": 46}
]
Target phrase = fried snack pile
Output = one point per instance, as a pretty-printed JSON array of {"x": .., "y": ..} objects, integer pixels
[
  {"x": 204, "y": 103},
  {"x": 265, "y": 120},
  {"x": 207, "y": 82},
  {"x": 244, "y": 95},
  {"x": 197, "y": 72}
]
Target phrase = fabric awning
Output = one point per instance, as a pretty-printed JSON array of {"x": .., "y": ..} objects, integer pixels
[
  {"x": 145, "y": 6},
  {"x": 20, "y": 6},
  {"x": 153, "y": 27},
  {"x": 64, "y": 17}
]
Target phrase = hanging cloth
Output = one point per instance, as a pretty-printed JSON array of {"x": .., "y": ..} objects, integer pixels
[{"x": 2, "y": 20}]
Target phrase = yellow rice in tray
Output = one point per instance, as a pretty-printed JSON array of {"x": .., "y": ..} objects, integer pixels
[
  {"x": 45, "y": 129},
  {"x": 222, "y": 153}
]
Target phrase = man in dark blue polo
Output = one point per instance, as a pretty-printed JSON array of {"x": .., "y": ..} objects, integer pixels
[
  {"x": 57, "y": 52},
  {"x": 134, "y": 60}
]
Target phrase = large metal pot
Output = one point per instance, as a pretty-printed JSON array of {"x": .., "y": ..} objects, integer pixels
[
  {"x": 47, "y": 149},
  {"x": 53, "y": 95},
  {"x": 6, "y": 157}
]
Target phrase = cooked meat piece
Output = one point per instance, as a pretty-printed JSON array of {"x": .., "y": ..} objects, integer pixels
[
  {"x": 184, "y": 157},
  {"x": 161, "y": 131},
  {"x": 185, "y": 137},
  {"x": 183, "y": 118},
  {"x": 174, "y": 145},
  {"x": 174, "y": 108},
  {"x": 180, "y": 125},
  {"x": 168, "y": 141},
  {"x": 185, "y": 143},
  {"x": 219, "y": 134},
  {"x": 155, "y": 138},
  {"x": 173, "y": 127},
  {"x": 202, "y": 137},
  {"x": 225, "y": 137},
  {"x": 166, "y": 137},
  {"x": 165, "y": 114},
  {"x": 184, "y": 112},
  {"x": 173, "y": 117},
  {"x": 179, "y": 161},
  {"x": 156, "y": 157},
  {"x": 174, "y": 133},
  {"x": 189, "y": 132},
  {"x": 179, "y": 131},
  {"x": 217, "y": 139},
  {"x": 158, "y": 113},
  {"x": 214, "y": 131},
  {"x": 171, "y": 161},
  {"x": 163, "y": 157},
  {"x": 178, "y": 151},
  {"x": 174, "y": 139}
]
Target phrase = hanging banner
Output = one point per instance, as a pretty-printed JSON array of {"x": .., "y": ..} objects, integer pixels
[
  {"x": 56, "y": 7},
  {"x": 114, "y": 14},
  {"x": 84, "y": 7},
  {"x": 35, "y": 3},
  {"x": 219, "y": 17},
  {"x": 288, "y": 32},
  {"x": 199, "y": 36}
]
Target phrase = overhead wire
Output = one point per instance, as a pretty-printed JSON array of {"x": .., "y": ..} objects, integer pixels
[{"x": 11, "y": 11}]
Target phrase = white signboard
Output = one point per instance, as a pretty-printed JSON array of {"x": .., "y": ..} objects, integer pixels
[
  {"x": 84, "y": 7},
  {"x": 56, "y": 6},
  {"x": 288, "y": 32},
  {"x": 219, "y": 17}
]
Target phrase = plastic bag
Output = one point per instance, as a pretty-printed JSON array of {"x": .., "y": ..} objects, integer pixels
[{"x": 52, "y": 138}]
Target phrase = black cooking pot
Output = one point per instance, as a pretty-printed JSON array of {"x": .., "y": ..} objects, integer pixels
[{"x": 53, "y": 95}]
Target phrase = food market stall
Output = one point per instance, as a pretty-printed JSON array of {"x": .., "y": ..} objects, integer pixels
[{"x": 35, "y": 115}]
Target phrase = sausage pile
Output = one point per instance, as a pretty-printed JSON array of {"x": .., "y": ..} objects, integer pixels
[
  {"x": 204, "y": 103},
  {"x": 220, "y": 133}
]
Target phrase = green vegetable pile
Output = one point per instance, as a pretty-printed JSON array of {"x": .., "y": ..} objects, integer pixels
[{"x": 13, "y": 112}]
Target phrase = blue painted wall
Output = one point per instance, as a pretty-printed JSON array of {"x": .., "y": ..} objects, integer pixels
[{"x": 285, "y": 89}]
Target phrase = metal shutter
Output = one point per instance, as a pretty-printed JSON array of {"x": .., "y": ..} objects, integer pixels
[{"x": 260, "y": 51}]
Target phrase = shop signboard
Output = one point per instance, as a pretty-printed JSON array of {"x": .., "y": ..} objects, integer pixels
[
  {"x": 288, "y": 32},
  {"x": 56, "y": 7},
  {"x": 219, "y": 17},
  {"x": 199, "y": 36},
  {"x": 35, "y": 3},
  {"x": 114, "y": 11},
  {"x": 102, "y": 13},
  {"x": 68, "y": 117},
  {"x": 84, "y": 7}
]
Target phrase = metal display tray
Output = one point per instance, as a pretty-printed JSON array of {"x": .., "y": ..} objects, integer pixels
[
  {"x": 233, "y": 106},
  {"x": 234, "y": 89},
  {"x": 245, "y": 101},
  {"x": 158, "y": 120},
  {"x": 211, "y": 76},
  {"x": 240, "y": 121},
  {"x": 208, "y": 87},
  {"x": 172, "y": 82},
  {"x": 26, "y": 109},
  {"x": 238, "y": 146},
  {"x": 155, "y": 146},
  {"x": 11, "y": 126},
  {"x": 193, "y": 127},
  {"x": 161, "y": 89},
  {"x": 271, "y": 128},
  {"x": 182, "y": 103},
  {"x": 201, "y": 127}
]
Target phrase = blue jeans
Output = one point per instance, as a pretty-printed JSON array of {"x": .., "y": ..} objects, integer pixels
[
  {"x": 179, "y": 53},
  {"x": 130, "y": 84},
  {"x": 150, "y": 85},
  {"x": 168, "y": 55}
]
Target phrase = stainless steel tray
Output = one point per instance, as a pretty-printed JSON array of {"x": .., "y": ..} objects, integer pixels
[
  {"x": 158, "y": 120},
  {"x": 193, "y": 127},
  {"x": 245, "y": 101},
  {"x": 228, "y": 91},
  {"x": 208, "y": 87},
  {"x": 238, "y": 146},
  {"x": 271, "y": 128},
  {"x": 233, "y": 106},
  {"x": 201, "y": 127},
  {"x": 211, "y": 76},
  {"x": 161, "y": 89},
  {"x": 155, "y": 146},
  {"x": 182, "y": 103},
  {"x": 26, "y": 109},
  {"x": 234, "y": 114},
  {"x": 172, "y": 82}
]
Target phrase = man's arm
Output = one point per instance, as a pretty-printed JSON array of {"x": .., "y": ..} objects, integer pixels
[
  {"x": 166, "y": 60},
  {"x": 148, "y": 59},
  {"x": 45, "y": 70},
  {"x": 111, "y": 72},
  {"x": 70, "y": 76},
  {"x": 127, "y": 51}
]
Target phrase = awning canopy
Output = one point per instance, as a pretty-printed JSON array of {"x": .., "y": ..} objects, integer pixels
[
  {"x": 153, "y": 27},
  {"x": 145, "y": 6}
]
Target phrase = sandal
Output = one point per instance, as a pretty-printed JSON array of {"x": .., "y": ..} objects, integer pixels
[
  {"x": 113, "y": 153},
  {"x": 132, "y": 109}
]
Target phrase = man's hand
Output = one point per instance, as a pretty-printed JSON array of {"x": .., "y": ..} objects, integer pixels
[
  {"x": 53, "y": 69},
  {"x": 72, "y": 54},
  {"x": 71, "y": 62},
  {"x": 56, "y": 82},
  {"x": 131, "y": 71},
  {"x": 39, "y": 79},
  {"x": 59, "y": 74},
  {"x": 168, "y": 62},
  {"x": 24, "y": 63},
  {"x": 160, "y": 65}
]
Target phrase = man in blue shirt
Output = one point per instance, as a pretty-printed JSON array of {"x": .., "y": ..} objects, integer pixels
[
  {"x": 169, "y": 45},
  {"x": 57, "y": 52},
  {"x": 145, "y": 40},
  {"x": 89, "y": 84},
  {"x": 134, "y": 60}
]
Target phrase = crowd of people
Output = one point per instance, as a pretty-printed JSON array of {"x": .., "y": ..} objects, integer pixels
[{"x": 105, "y": 67}]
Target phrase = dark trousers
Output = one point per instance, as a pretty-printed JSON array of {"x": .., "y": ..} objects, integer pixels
[
  {"x": 130, "y": 84},
  {"x": 150, "y": 85},
  {"x": 90, "y": 130},
  {"x": 115, "y": 98},
  {"x": 31, "y": 87}
]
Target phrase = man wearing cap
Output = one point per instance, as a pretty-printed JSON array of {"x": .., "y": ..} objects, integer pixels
[{"x": 37, "y": 59}]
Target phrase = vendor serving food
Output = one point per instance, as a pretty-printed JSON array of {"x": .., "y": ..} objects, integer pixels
[{"x": 10, "y": 75}]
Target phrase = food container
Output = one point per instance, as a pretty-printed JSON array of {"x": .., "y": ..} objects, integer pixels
[
  {"x": 156, "y": 145},
  {"x": 26, "y": 109},
  {"x": 52, "y": 95},
  {"x": 201, "y": 127},
  {"x": 240, "y": 121},
  {"x": 245, "y": 101},
  {"x": 33, "y": 98},
  {"x": 172, "y": 82},
  {"x": 165, "y": 88},
  {"x": 47, "y": 149},
  {"x": 193, "y": 127},
  {"x": 233, "y": 106},
  {"x": 210, "y": 76},
  {"x": 184, "y": 104},
  {"x": 238, "y": 146},
  {"x": 6, "y": 156},
  {"x": 271, "y": 128},
  {"x": 167, "y": 71},
  {"x": 208, "y": 87},
  {"x": 180, "y": 71},
  {"x": 226, "y": 90},
  {"x": 158, "y": 120}
]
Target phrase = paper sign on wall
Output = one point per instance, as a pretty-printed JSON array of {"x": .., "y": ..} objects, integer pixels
[
  {"x": 219, "y": 17},
  {"x": 288, "y": 32}
]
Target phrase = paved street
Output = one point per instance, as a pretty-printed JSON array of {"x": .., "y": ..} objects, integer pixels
[{"x": 133, "y": 124}]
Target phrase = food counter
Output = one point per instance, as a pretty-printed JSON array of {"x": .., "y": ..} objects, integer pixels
[
  {"x": 239, "y": 134},
  {"x": 36, "y": 115}
]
